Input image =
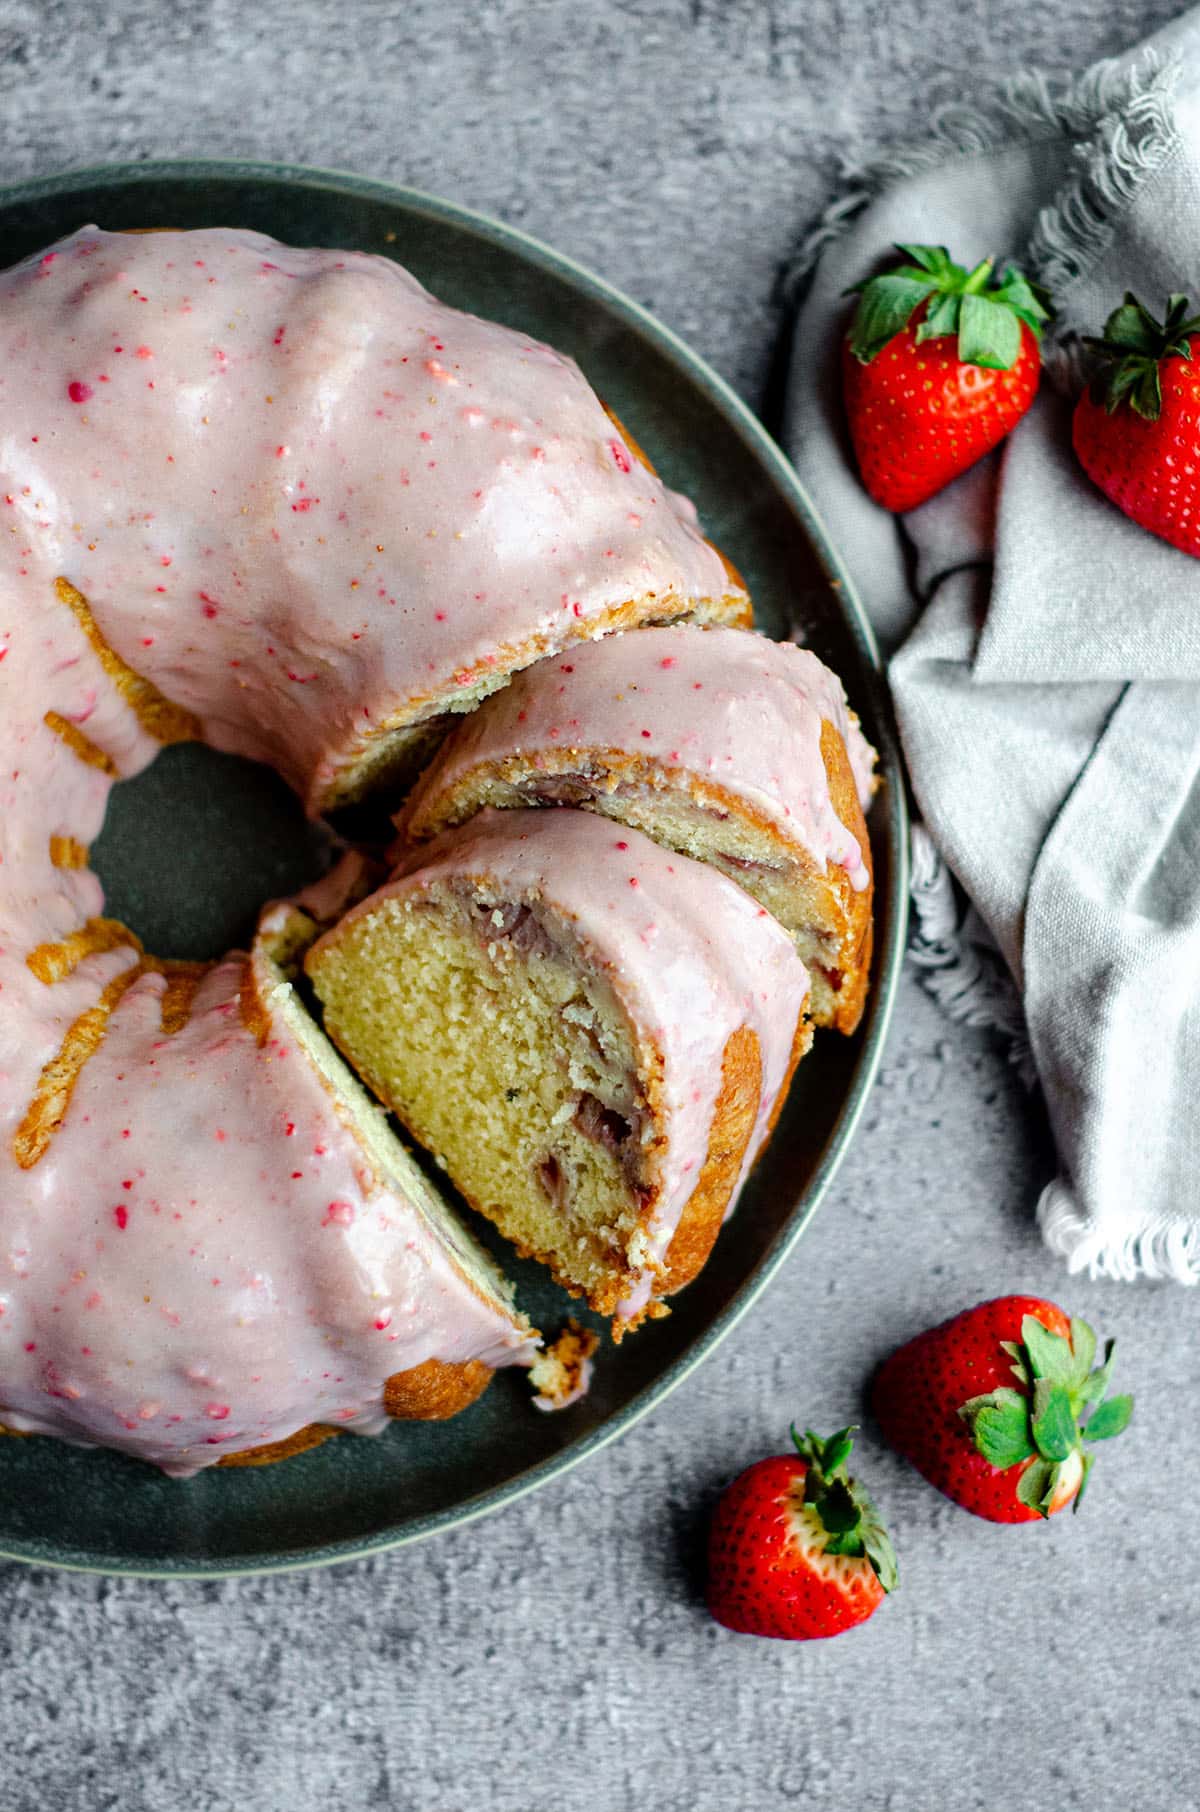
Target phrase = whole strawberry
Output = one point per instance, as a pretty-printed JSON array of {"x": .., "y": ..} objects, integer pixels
[
  {"x": 940, "y": 363},
  {"x": 989, "y": 1405},
  {"x": 1137, "y": 427},
  {"x": 796, "y": 1549}
]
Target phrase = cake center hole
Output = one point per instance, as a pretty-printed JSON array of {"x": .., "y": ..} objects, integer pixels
[{"x": 194, "y": 846}]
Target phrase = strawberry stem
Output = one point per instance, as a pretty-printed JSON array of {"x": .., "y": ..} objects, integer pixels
[{"x": 977, "y": 280}]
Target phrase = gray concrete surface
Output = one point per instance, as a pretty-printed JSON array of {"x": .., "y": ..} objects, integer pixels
[{"x": 560, "y": 1653}]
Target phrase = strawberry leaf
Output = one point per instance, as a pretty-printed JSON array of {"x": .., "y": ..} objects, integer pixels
[
  {"x": 1132, "y": 350},
  {"x": 984, "y": 314},
  {"x": 881, "y": 1554},
  {"x": 941, "y": 318},
  {"x": 989, "y": 334},
  {"x": 999, "y": 1424},
  {"x": 1054, "y": 1428},
  {"x": 932, "y": 258},
  {"x": 837, "y": 1451},
  {"x": 1096, "y": 1383},
  {"x": 1049, "y": 1354},
  {"x": 1110, "y": 1419},
  {"x": 884, "y": 310},
  {"x": 1088, "y": 1462},
  {"x": 1036, "y": 1485},
  {"x": 1027, "y": 300},
  {"x": 839, "y": 1512},
  {"x": 1018, "y": 1368},
  {"x": 1083, "y": 1345}
]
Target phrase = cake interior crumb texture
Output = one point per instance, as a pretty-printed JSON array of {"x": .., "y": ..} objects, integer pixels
[
  {"x": 511, "y": 1060},
  {"x": 699, "y": 824},
  {"x": 369, "y": 1125}
]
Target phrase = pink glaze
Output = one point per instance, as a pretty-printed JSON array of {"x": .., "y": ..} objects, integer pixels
[
  {"x": 205, "y": 1243},
  {"x": 725, "y": 707},
  {"x": 301, "y": 495},
  {"x": 690, "y": 956}
]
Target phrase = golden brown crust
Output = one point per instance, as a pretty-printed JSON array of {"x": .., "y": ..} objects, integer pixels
[
  {"x": 182, "y": 980},
  {"x": 52, "y": 1096},
  {"x": 252, "y": 1008},
  {"x": 435, "y": 1391},
  {"x": 851, "y": 992},
  {"x": 68, "y": 852},
  {"x": 414, "y": 721},
  {"x": 54, "y": 962},
  {"x": 432, "y": 1392},
  {"x": 303, "y": 1441},
  {"x": 158, "y": 715},
  {"x": 801, "y": 1044},
  {"x": 733, "y": 1122},
  {"x": 80, "y": 745}
]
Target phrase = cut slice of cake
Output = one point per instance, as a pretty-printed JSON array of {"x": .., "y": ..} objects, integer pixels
[
  {"x": 718, "y": 743},
  {"x": 592, "y": 1034}
]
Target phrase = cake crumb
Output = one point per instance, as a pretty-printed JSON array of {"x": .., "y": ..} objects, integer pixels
[{"x": 562, "y": 1374}]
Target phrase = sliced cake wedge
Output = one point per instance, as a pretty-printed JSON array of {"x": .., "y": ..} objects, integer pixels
[{"x": 591, "y": 1033}]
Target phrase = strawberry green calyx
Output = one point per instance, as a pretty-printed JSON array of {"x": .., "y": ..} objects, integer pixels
[
  {"x": 843, "y": 1508},
  {"x": 1039, "y": 1426},
  {"x": 1133, "y": 347},
  {"x": 986, "y": 313}
]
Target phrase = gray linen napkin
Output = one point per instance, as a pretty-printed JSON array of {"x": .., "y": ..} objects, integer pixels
[{"x": 1045, "y": 652}]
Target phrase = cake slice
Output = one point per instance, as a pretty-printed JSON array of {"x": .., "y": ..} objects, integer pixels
[
  {"x": 718, "y": 743},
  {"x": 591, "y": 1033}
]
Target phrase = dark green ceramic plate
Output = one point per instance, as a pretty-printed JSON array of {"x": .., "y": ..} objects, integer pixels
[{"x": 225, "y": 835}]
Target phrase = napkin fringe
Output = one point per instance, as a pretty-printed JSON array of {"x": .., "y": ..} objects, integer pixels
[
  {"x": 1122, "y": 109},
  {"x": 968, "y": 981},
  {"x": 1170, "y": 1250},
  {"x": 1131, "y": 130}
]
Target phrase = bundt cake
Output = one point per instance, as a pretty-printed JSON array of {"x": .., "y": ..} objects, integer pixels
[
  {"x": 716, "y": 742},
  {"x": 590, "y": 1033},
  {"x": 285, "y": 502}
]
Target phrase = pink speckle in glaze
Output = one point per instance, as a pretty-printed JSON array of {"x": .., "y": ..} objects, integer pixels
[
  {"x": 216, "y": 1412},
  {"x": 80, "y": 392},
  {"x": 339, "y": 1214},
  {"x": 121, "y": 1216}
]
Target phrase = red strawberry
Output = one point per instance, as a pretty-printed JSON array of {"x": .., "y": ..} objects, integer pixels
[
  {"x": 1012, "y": 1452},
  {"x": 940, "y": 363},
  {"x": 1137, "y": 427},
  {"x": 796, "y": 1549}
]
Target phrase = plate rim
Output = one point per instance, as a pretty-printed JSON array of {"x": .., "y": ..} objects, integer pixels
[{"x": 892, "y": 931}]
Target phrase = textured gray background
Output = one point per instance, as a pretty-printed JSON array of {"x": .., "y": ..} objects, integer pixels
[{"x": 560, "y": 1652}]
